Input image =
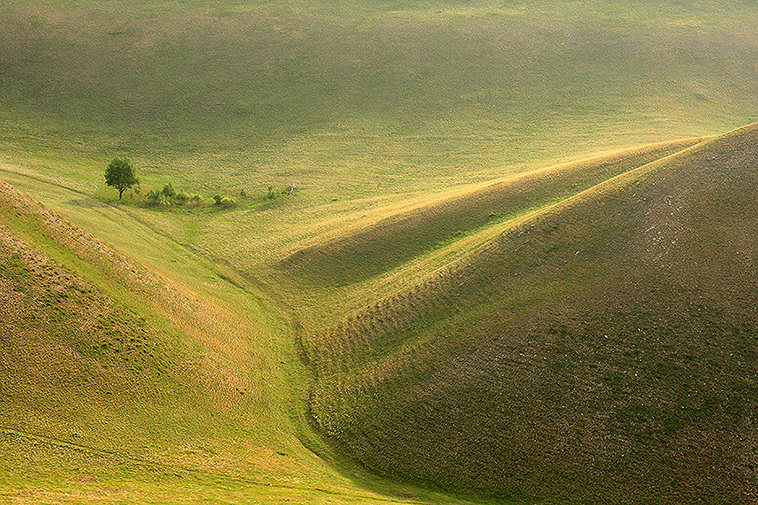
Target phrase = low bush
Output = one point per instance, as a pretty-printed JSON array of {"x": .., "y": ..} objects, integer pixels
[
  {"x": 168, "y": 196},
  {"x": 155, "y": 197},
  {"x": 272, "y": 194},
  {"x": 168, "y": 191}
]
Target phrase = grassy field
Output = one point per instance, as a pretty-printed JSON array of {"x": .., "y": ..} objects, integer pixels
[
  {"x": 414, "y": 134},
  {"x": 581, "y": 354},
  {"x": 123, "y": 384},
  {"x": 410, "y": 100}
]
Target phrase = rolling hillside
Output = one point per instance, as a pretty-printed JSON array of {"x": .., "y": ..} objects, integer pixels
[
  {"x": 122, "y": 384},
  {"x": 602, "y": 350},
  {"x": 517, "y": 263},
  {"x": 361, "y": 98},
  {"x": 377, "y": 247}
]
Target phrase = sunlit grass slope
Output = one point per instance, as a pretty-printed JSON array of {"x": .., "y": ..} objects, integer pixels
[
  {"x": 351, "y": 99},
  {"x": 121, "y": 385},
  {"x": 372, "y": 249},
  {"x": 360, "y": 105},
  {"x": 409, "y": 121},
  {"x": 601, "y": 350}
]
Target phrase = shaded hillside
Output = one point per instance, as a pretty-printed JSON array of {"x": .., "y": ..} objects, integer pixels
[
  {"x": 604, "y": 351},
  {"x": 376, "y": 248}
]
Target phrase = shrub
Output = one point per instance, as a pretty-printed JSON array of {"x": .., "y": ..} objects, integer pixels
[
  {"x": 181, "y": 197},
  {"x": 169, "y": 195},
  {"x": 168, "y": 191},
  {"x": 153, "y": 196},
  {"x": 227, "y": 202}
]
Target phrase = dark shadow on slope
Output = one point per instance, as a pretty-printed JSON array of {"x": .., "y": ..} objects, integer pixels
[
  {"x": 392, "y": 241},
  {"x": 604, "y": 352}
]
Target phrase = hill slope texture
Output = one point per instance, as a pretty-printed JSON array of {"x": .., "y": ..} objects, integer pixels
[
  {"x": 120, "y": 385},
  {"x": 600, "y": 351}
]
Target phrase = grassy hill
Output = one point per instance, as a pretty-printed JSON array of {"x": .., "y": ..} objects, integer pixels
[
  {"x": 123, "y": 384},
  {"x": 374, "y": 248},
  {"x": 601, "y": 350},
  {"x": 408, "y": 96},
  {"x": 150, "y": 353}
]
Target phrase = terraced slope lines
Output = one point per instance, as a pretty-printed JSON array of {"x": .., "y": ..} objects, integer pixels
[
  {"x": 123, "y": 384},
  {"x": 400, "y": 237},
  {"x": 599, "y": 350}
]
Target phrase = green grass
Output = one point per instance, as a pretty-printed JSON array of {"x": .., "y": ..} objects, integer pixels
[
  {"x": 121, "y": 385},
  {"x": 588, "y": 344},
  {"x": 409, "y": 100},
  {"x": 403, "y": 124},
  {"x": 420, "y": 90},
  {"x": 377, "y": 247}
]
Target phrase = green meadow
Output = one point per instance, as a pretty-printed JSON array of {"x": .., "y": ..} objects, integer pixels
[{"x": 369, "y": 320}]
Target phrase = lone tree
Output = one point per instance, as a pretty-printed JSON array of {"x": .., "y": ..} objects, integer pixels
[{"x": 121, "y": 174}]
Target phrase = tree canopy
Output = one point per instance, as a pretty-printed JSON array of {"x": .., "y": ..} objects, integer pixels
[{"x": 121, "y": 174}]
